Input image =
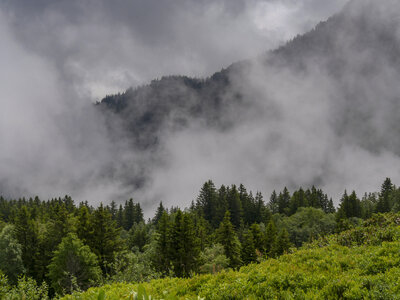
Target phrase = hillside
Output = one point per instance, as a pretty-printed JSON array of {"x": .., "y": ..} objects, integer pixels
[
  {"x": 363, "y": 262},
  {"x": 341, "y": 77}
]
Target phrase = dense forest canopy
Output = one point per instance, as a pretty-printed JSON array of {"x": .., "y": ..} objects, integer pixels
[{"x": 226, "y": 227}]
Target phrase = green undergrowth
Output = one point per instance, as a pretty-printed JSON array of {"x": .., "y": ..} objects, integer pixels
[{"x": 360, "y": 263}]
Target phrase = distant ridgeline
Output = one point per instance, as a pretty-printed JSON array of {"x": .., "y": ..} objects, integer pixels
[{"x": 224, "y": 228}]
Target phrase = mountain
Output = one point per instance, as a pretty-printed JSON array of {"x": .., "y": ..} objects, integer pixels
[{"x": 341, "y": 78}]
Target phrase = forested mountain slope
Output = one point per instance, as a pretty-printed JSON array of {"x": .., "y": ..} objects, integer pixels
[
  {"x": 360, "y": 263},
  {"x": 342, "y": 78}
]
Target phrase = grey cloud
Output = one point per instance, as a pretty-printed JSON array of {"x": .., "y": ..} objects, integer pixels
[
  {"x": 105, "y": 46},
  {"x": 65, "y": 53}
]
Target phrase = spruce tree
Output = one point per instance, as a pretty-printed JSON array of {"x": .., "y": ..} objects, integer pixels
[
  {"x": 270, "y": 238},
  {"x": 384, "y": 202},
  {"x": 273, "y": 203},
  {"x": 283, "y": 201},
  {"x": 248, "y": 248},
  {"x": 258, "y": 238},
  {"x": 227, "y": 237},
  {"x": 162, "y": 255},
  {"x": 282, "y": 243},
  {"x": 235, "y": 206},
  {"x": 207, "y": 200},
  {"x": 105, "y": 241},
  {"x": 159, "y": 212},
  {"x": 27, "y": 235}
]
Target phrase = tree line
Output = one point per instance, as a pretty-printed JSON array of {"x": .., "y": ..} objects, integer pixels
[{"x": 62, "y": 247}]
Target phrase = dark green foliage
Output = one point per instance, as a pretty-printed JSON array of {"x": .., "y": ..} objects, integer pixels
[
  {"x": 384, "y": 202},
  {"x": 73, "y": 266},
  {"x": 258, "y": 238},
  {"x": 177, "y": 243},
  {"x": 227, "y": 237},
  {"x": 309, "y": 224},
  {"x": 273, "y": 203},
  {"x": 27, "y": 235},
  {"x": 183, "y": 245},
  {"x": 350, "y": 206},
  {"x": 270, "y": 238},
  {"x": 10, "y": 254},
  {"x": 282, "y": 243},
  {"x": 105, "y": 240},
  {"x": 138, "y": 236},
  {"x": 283, "y": 201},
  {"x": 159, "y": 212},
  {"x": 161, "y": 259},
  {"x": 234, "y": 206},
  {"x": 207, "y": 201},
  {"x": 248, "y": 248}
]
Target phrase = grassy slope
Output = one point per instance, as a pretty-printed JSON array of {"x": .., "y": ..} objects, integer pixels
[{"x": 359, "y": 263}]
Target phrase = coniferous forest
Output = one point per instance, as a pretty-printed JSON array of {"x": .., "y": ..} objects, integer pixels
[{"x": 49, "y": 248}]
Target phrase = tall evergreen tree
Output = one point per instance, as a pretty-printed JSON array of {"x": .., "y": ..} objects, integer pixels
[
  {"x": 235, "y": 206},
  {"x": 227, "y": 237},
  {"x": 270, "y": 238},
  {"x": 282, "y": 243},
  {"x": 221, "y": 207},
  {"x": 162, "y": 256},
  {"x": 384, "y": 202},
  {"x": 273, "y": 203},
  {"x": 258, "y": 238},
  {"x": 105, "y": 241},
  {"x": 283, "y": 201},
  {"x": 27, "y": 236},
  {"x": 129, "y": 214},
  {"x": 159, "y": 212},
  {"x": 206, "y": 201},
  {"x": 248, "y": 248},
  {"x": 184, "y": 249}
]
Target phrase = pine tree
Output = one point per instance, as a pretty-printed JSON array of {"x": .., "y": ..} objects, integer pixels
[
  {"x": 330, "y": 208},
  {"x": 282, "y": 243},
  {"x": 258, "y": 238},
  {"x": 129, "y": 214},
  {"x": 273, "y": 203},
  {"x": 27, "y": 236},
  {"x": 221, "y": 207},
  {"x": 120, "y": 216},
  {"x": 137, "y": 214},
  {"x": 227, "y": 237},
  {"x": 138, "y": 236},
  {"x": 113, "y": 210},
  {"x": 105, "y": 241},
  {"x": 162, "y": 258},
  {"x": 350, "y": 206},
  {"x": 260, "y": 209},
  {"x": 248, "y": 248},
  {"x": 84, "y": 228},
  {"x": 206, "y": 201},
  {"x": 159, "y": 212},
  {"x": 384, "y": 202},
  {"x": 235, "y": 206},
  {"x": 283, "y": 201},
  {"x": 270, "y": 238}
]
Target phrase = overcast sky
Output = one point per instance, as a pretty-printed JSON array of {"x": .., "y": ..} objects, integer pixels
[
  {"x": 58, "y": 57},
  {"x": 98, "y": 47}
]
